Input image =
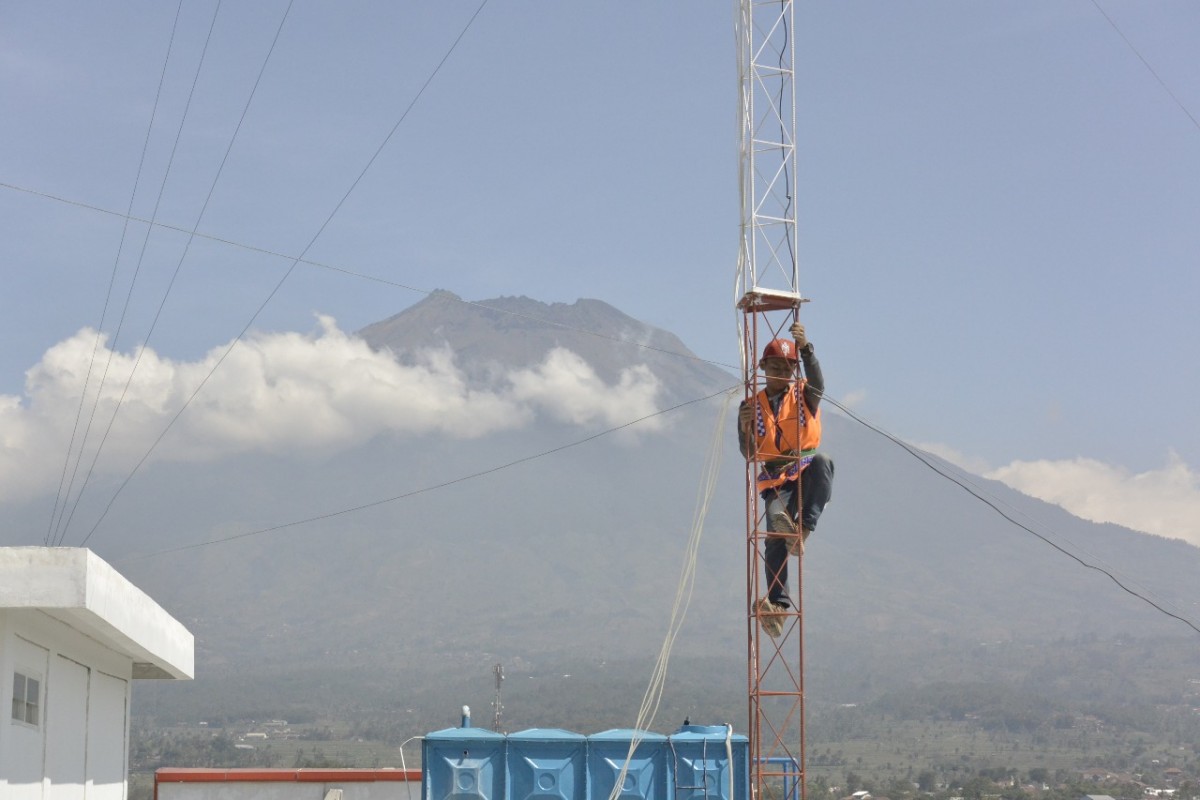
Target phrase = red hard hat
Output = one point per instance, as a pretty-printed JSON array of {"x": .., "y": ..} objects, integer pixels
[{"x": 781, "y": 348}]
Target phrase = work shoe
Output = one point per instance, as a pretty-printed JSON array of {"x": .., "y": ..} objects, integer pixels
[
  {"x": 796, "y": 545},
  {"x": 782, "y": 522},
  {"x": 770, "y": 616}
]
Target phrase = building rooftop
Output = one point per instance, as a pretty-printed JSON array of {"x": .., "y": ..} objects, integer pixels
[{"x": 80, "y": 589}]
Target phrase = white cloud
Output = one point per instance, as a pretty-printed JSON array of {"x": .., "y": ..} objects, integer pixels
[
  {"x": 566, "y": 387},
  {"x": 1163, "y": 501},
  {"x": 286, "y": 393}
]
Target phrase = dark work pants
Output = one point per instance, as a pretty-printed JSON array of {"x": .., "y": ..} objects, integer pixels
[{"x": 816, "y": 487}]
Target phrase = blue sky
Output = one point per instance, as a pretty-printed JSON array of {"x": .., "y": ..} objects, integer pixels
[{"x": 998, "y": 201}]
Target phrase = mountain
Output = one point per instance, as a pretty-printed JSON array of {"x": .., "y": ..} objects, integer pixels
[
  {"x": 405, "y": 578},
  {"x": 505, "y": 333}
]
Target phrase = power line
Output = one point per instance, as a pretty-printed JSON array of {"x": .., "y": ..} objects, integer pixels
[
  {"x": 909, "y": 448},
  {"x": 921, "y": 456},
  {"x": 300, "y": 259},
  {"x": 436, "y": 486},
  {"x": 1147, "y": 65},
  {"x": 291, "y": 268},
  {"x": 64, "y": 526},
  {"x": 108, "y": 294},
  {"x": 355, "y": 274},
  {"x": 179, "y": 265},
  {"x": 912, "y": 450}
]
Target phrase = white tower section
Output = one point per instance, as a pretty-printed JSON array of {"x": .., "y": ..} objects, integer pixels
[{"x": 767, "y": 143}]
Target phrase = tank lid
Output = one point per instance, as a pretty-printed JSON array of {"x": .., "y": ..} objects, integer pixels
[
  {"x": 547, "y": 734},
  {"x": 464, "y": 733},
  {"x": 625, "y": 734},
  {"x": 707, "y": 733},
  {"x": 703, "y": 730}
]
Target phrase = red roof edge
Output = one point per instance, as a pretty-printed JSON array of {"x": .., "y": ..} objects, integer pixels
[{"x": 201, "y": 775}]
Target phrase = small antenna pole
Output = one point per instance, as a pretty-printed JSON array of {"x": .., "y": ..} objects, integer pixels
[{"x": 497, "y": 706}]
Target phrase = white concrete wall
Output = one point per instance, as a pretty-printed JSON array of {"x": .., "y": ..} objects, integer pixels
[
  {"x": 290, "y": 790},
  {"x": 74, "y": 624},
  {"x": 76, "y": 586},
  {"x": 65, "y": 758},
  {"x": 107, "y": 737},
  {"x": 22, "y": 747},
  {"x": 79, "y": 749}
]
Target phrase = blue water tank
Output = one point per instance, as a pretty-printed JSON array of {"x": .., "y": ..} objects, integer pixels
[
  {"x": 546, "y": 764},
  {"x": 463, "y": 764},
  {"x": 702, "y": 766},
  {"x": 646, "y": 778}
]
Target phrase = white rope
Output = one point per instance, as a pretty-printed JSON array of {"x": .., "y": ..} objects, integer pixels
[
  {"x": 742, "y": 280},
  {"x": 683, "y": 592},
  {"x": 729, "y": 757},
  {"x": 407, "y": 782}
]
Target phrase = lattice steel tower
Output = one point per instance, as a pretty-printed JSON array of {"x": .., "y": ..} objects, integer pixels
[{"x": 768, "y": 300}]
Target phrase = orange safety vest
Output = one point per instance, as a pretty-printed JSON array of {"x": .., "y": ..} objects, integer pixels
[{"x": 775, "y": 436}]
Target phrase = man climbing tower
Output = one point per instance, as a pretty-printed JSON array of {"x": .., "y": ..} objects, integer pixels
[{"x": 780, "y": 430}]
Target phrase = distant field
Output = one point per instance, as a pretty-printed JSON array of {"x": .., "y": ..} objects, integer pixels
[
  {"x": 881, "y": 751},
  {"x": 1000, "y": 714}
]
